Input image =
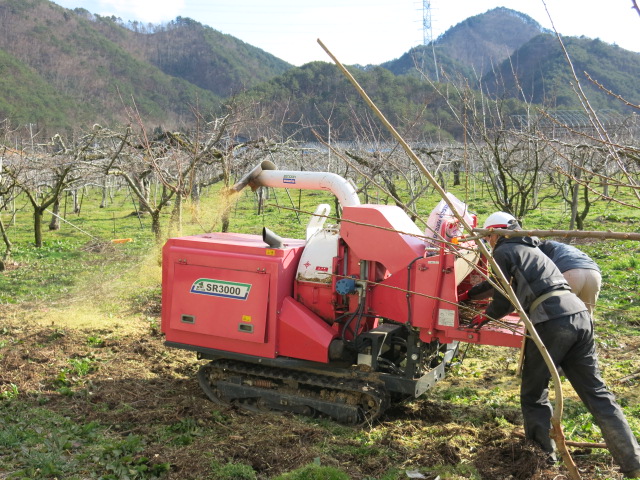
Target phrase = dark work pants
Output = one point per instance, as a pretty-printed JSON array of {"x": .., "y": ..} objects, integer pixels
[{"x": 569, "y": 341}]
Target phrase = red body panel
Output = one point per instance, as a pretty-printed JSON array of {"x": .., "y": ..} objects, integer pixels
[
  {"x": 317, "y": 297},
  {"x": 243, "y": 298},
  {"x": 511, "y": 336},
  {"x": 381, "y": 233},
  {"x": 303, "y": 334},
  {"x": 223, "y": 291},
  {"x": 432, "y": 305}
]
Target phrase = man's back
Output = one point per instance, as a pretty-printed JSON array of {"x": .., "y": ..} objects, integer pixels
[{"x": 567, "y": 257}]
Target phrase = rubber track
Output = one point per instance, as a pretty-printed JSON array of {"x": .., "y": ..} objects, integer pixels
[{"x": 367, "y": 388}]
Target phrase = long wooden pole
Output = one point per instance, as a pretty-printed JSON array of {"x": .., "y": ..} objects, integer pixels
[
  {"x": 556, "y": 430},
  {"x": 559, "y": 233}
]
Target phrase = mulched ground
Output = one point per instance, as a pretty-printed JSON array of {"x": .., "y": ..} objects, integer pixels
[{"x": 139, "y": 386}]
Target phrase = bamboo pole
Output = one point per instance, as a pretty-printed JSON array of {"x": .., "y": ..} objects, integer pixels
[
  {"x": 608, "y": 235},
  {"x": 556, "y": 426}
]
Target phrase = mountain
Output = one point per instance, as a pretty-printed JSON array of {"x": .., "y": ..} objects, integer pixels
[
  {"x": 472, "y": 47},
  {"x": 428, "y": 61},
  {"x": 186, "y": 49},
  {"x": 318, "y": 98},
  {"x": 544, "y": 76},
  {"x": 508, "y": 54},
  {"x": 62, "y": 69},
  {"x": 26, "y": 98},
  {"x": 486, "y": 40}
]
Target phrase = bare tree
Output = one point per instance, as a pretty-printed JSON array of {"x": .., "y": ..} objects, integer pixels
[
  {"x": 42, "y": 178},
  {"x": 511, "y": 161},
  {"x": 7, "y": 189}
]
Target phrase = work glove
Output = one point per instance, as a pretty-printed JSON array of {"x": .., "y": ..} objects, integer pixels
[
  {"x": 478, "y": 321},
  {"x": 463, "y": 296}
]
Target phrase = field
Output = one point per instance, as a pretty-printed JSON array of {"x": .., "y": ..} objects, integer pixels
[{"x": 88, "y": 389}]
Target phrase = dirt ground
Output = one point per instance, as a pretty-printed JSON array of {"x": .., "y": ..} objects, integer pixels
[{"x": 139, "y": 385}]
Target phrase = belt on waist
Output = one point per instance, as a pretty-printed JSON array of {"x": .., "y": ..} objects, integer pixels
[{"x": 543, "y": 297}]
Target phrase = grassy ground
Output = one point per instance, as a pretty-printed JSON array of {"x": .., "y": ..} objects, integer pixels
[{"x": 88, "y": 390}]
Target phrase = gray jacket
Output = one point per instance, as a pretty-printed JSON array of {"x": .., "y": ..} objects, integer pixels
[
  {"x": 567, "y": 257},
  {"x": 531, "y": 274}
]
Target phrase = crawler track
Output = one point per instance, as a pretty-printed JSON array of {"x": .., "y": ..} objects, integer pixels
[{"x": 354, "y": 399}]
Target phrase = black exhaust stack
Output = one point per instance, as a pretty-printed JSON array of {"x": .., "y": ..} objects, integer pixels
[{"x": 271, "y": 239}]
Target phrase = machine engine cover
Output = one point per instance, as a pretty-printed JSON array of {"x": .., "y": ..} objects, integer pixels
[
  {"x": 224, "y": 291},
  {"x": 239, "y": 298}
]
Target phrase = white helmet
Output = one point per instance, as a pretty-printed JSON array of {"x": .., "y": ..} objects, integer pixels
[{"x": 500, "y": 220}]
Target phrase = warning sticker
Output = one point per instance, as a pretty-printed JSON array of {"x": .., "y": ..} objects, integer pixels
[{"x": 446, "y": 318}]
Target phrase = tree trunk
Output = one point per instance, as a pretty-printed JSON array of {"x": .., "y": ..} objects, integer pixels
[
  {"x": 54, "y": 224},
  {"x": 605, "y": 180},
  {"x": 456, "y": 173},
  {"x": 585, "y": 211},
  {"x": 176, "y": 215},
  {"x": 155, "y": 225},
  {"x": 37, "y": 226},
  {"x": 260, "y": 200},
  {"x": 105, "y": 193},
  {"x": 144, "y": 188},
  {"x": 574, "y": 202},
  {"x": 195, "y": 194},
  {"x": 7, "y": 242},
  {"x": 76, "y": 202}
]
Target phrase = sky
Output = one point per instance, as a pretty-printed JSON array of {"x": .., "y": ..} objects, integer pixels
[{"x": 366, "y": 31}]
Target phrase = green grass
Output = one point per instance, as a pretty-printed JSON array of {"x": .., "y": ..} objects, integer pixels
[
  {"x": 37, "y": 443},
  {"x": 232, "y": 471},
  {"x": 79, "y": 249},
  {"x": 314, "y": 472}
]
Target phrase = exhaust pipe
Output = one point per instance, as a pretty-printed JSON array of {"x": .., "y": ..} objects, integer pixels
[{"x": 271, "y": 239}]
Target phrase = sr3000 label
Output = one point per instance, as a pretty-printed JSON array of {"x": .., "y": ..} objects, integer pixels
[{"x": 221, "y": 288}]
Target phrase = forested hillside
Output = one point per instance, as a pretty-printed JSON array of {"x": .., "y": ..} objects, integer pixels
[
  {"x": 317, "y": 97},
  {"x": 545, "y": 77},
  {"x": 511, "y": 55},
  {"x": 65, "y": 70},
  {"x": 482, "y": 41},
  {"x": 199, "y": 54},
  {"x": 28, "y": 98}
]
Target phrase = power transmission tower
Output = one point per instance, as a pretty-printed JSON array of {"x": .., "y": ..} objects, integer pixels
[{"x": 427, "y": 33}]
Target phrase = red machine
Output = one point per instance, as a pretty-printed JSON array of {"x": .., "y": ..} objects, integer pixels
[{"x": 341, "y": 324}]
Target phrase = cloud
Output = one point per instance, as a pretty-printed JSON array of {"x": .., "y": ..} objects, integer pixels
[{"x": 152, "y": 11}]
